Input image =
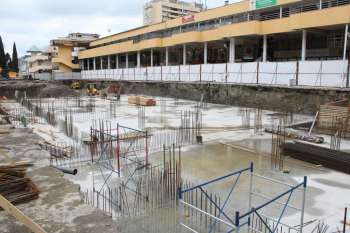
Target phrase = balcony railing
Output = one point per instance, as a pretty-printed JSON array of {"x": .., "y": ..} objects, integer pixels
[{"x": 237, "y": 18}]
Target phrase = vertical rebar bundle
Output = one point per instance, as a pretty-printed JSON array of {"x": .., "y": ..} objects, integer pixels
[
  {"x": 258, "y": 121},
  {"x": 245, "y": 113},
  {"x": 278, "y": 140},
  {"x": 338, "y": 132},
  {"x": 141, "y": 117}
]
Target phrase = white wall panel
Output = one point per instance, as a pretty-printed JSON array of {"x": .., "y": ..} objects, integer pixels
[
  {"x": 268, "y": 73},
  {"x": 249, "y": 70},
  {"x": 334, "y": 73},
  {"x": 194, "y": 73},
  {"x": 185, "y": 73},
  {"x": 207, "y": 73},
  {"x": 234, "y": 72},
  {"x": 156, "y": 73},
  {"x": 309, "y": 73},
  {"x": 286, "y": 72},
  {"x": 219, "y": 73}
]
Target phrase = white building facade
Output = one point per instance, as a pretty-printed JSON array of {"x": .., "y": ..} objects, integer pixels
[{"x": 157, "y": 11}]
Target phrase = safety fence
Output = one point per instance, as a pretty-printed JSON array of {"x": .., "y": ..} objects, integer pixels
[
  {"x": 57, "y": 76},
  {"x": 332, "y": 73}
]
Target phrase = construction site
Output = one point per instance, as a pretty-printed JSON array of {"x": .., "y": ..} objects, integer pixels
[
  {"x": 213, "y": 116},
  {"x": 111, "y": 157}
]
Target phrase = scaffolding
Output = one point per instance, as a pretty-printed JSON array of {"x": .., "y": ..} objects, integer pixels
[{"x": 251, "y": 220}]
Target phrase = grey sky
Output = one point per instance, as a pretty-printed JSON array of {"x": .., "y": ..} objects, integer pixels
[{"x": 35, "y": 22}]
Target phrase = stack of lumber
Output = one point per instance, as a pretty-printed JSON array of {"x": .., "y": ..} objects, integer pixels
[
  {"x": 14, "y": 185},
  {"x": 141, "y": 101}
]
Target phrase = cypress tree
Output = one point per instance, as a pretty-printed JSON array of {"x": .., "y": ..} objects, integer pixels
[
  {"x": 2, "y": 55},
  {"x": 14, "y": 64},
  {"x": 7, "y": 61}
]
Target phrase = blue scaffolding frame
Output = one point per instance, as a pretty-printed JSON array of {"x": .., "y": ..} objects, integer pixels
[{"x": 239, "y": 220}]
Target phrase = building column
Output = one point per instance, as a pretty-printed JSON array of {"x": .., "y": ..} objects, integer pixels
[
  {"x": 101, "y": 63},
  {"x": 184, "y": 57},
  {"x": 303, "y": 46},
  {"x": 264, "y": 49},
  {"x": 346, "y": 40},
  {"x": 109, "y": 62},
  {"x": 88, "y": 64},
  {"x": 127, "y": 61},
  {"x": 281, "y": 12},
  {"x": 82, "y": 64},
  {"x": 94, "y": 63},
  {"x": 138, "y": 59},
  {"x": 151, "y": 57},
  {"x": 205, "y": 52},
  {"x": 166, "y": 56},
  {"x": 117, "y": 61},
  {"x": 232, "y": 52}
]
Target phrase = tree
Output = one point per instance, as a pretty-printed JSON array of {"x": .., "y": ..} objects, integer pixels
[
  {"x": 2, "y": 55},
  {"x": 14, "y": 64},
  {"x": 8, "y": 61}
]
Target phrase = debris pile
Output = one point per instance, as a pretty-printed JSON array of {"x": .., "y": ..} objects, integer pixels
[{"x": 14, "y": 185}]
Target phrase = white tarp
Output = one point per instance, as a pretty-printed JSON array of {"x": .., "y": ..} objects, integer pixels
[
  {"x": 311, "y": 73},
  {"x": 185, "y": 73},
  {"x": 194, "y": 73},
  {"x": 219, "y": 73},
  {"x": 207, "y": 73},
  {"x": 334, "y": 73},
  {"x": 234, "y": 72}
]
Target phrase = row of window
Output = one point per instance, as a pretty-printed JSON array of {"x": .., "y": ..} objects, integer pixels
[{"x": 232, "y": 19}]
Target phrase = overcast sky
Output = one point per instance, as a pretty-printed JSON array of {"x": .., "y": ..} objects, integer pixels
[{"x": 35, "y": 22}]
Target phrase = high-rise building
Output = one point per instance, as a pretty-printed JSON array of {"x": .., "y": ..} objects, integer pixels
[{"x": 157, "y": 11}]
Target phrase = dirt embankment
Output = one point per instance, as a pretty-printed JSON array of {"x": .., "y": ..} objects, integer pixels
[{"x": 36, "y": 89}]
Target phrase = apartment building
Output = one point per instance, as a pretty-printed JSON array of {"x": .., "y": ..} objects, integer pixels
[
  {"x": 157, "y": 11},
  {"x": 38, "y": 61},
  {"x": 67, "y": 49}
]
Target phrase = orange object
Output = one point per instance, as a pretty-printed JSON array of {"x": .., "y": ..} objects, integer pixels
[
  {"x": 12, "y": 74},
  {"x": 141, "y": 101}
]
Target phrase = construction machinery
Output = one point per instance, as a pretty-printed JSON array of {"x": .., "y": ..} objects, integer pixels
[
  {"x": 75, "y": 85},
  {"x": 92, "y": 89}
]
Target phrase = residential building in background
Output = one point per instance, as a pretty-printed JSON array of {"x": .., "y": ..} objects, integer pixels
[
  {"x": 67, "y": 48},
  {"x": 39, "y": 60},
  {"x": 23, "y": 66},
  {"x": 157, "y": 11}
]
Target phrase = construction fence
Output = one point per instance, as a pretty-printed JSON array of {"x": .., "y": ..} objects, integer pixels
[{"x": 332, "y": 73}]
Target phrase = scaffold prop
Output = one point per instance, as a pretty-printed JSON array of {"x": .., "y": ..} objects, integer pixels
[{"x": 255, "y": 218}]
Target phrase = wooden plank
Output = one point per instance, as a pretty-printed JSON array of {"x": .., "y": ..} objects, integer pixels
[{"x": 20, "y": 216}]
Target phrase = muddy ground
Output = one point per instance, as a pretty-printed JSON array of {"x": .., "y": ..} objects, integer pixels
[{"x": 59, "y": 207}]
